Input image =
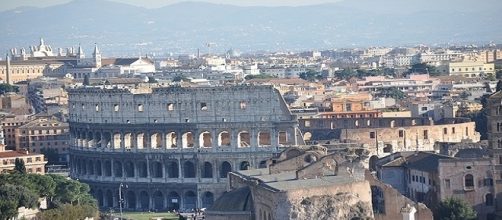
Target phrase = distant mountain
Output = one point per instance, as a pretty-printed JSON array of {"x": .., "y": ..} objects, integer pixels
[{"x": 184, "y": 27}]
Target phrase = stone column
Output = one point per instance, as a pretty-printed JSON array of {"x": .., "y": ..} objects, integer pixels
[
  {"x": 180, "y": 174},
  {"x": 253, "y": 136},
  {"x": 111, "y": 167},
  {"x": 274, "y": 137},
  {"x": 163, "y": 140},
  {"x": 214, "y": 137},
  {"x": 122, "y": 141},
  {"x": 148, "y": 168},
  {"x": 179, "y": 140}
]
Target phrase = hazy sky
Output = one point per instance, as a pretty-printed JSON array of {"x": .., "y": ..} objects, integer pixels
[{"x": 10, "y": 4}]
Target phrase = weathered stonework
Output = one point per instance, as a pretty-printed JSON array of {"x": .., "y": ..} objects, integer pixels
[{"x": 173, "y": 146}]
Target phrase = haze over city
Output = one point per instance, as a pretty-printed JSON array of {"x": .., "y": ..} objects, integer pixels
[{"x": 251, "y": 110}]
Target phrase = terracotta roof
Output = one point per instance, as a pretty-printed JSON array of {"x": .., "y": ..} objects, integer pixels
[{"x": 10, "y": 154}]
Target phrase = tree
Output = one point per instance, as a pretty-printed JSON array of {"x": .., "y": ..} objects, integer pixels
[
  {"x": 14, "y": 197},
  {"x": 311, "y": 75},
  {"x": 499, "y": 86},
  {"x": 454, "y": 209},
  {"x": 424, "y": 68},
  {"x": 152, "y": 79},
  {"x": 393, "y": 92},
  {"x": 5, "y": 88},
  {"x": 19, "y": 166},
  {"x": 259, "y": 76},
  {"x": 8, "y": 209},
  {"x": 68, "y": 211}
]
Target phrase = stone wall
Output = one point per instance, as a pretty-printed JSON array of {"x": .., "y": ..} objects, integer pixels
[{"x": 388, "y": 202}]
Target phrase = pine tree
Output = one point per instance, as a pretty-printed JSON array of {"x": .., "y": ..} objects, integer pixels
[{"x": 19, "y": 166}]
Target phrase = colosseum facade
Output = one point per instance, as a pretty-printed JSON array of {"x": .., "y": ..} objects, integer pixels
[{"x": 171, "y": 147}]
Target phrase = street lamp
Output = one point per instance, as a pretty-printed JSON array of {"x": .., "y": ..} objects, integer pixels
[{"x": 120, "y": 198}]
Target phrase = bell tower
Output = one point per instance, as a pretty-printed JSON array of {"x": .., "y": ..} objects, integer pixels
[{"x": 97, "y": 56}]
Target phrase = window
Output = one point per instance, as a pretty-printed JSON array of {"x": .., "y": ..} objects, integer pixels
[
  {"x": 203, "y": 106},
  {"x": 170, "y": 107},
  {"x": 453, "y": 130},
  {"x": 97, "y": 108},
  {"x": 307, "y": 124},
  {"x": 348, "y": 107},
  {"x": 469, "y": 181},
  {"x": 489, "y": 199},
  {"x": 426, "y": 134},
  {"x": 243, "y": 105},
  {"x": 116, "y": 107},
  {"x": 447, "y": 183},
  {"x": 140, "y": 107},
  {"x": 488, "y": 182},
  {"x": 445, "y": 130},
  {"x": 424, "y": 108},
  {"x": 372, "y": 134}
]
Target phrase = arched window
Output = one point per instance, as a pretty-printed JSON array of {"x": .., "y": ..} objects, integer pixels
[
  {"x": 489, "y": 199},
  {"x": 189, "y": 170},
  {"x": 469, "y": 181},
  {"x": 225, "y": 168},
  {"x": 207, "y": 171}
]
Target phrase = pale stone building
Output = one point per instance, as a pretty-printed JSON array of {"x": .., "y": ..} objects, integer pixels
[{"x": 34, "y": 163}]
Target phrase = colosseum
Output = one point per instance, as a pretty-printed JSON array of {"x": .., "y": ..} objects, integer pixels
[{"x": 170, "y": 148}]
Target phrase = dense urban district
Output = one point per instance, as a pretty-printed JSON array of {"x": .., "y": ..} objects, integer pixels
[{"x": 412, "y": 133}]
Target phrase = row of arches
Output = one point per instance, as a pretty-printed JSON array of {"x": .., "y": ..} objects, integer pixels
[
  {"x": 157, "y": 200},
  {"x": 156, "y": 169},
  {"x": 174, "y": 140}
]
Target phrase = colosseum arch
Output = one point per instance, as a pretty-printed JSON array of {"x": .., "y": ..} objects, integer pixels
[
  {"x": 207, "y": 170},
  {"x": 156, "y": 141},
  {"x": 128, "y": 141},
  {"x": 142, "y": 169},
  {"x": 131, "y": 200},
  {"x": 187, "y": 140},
  {"x": 158, "y": 200},
  {"x": 173, "y": 201},
  {"x": 171, "y": 140},
  {"x": 109, "y": 198},
  {"x": 225, "y": 169},
  {"x": 97, "y": 139},
  {"x": 117, "y": 166},
  {"x": 116, "y": 140},
  {"x": 205, "y": 139},
  {"x": 224, "y": 139},
  {"x": 90, "y": 168},
  {"x": 157, "y": 171},
  {"x": 129, "y": 169},
  {"x": 90, "y": 139},
  {"x": 172, "y": 170},
  {"x": 188, "y": 169},
  {"x": 263, "y": 164},
  {"x": 99, "y": 171},
  {"x": 100, "y": 196},
  {"x": 140, "y": 141},
  {"x": 190, "y": 200},
  {"x": 283, "y": 137},
  {"x": 107, "y": 137},
  {"x": 244, "y": 139},
  {"x": 264, "y": 139},
  {"x": 245, "y": 165},
  {"x": 207, "y": 199},
  {"x": 144, "y": 200},
  {"x": 108, "y": 168}
]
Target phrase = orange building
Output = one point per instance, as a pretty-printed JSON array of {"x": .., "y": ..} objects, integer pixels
[{"x": 351, "y": 106}]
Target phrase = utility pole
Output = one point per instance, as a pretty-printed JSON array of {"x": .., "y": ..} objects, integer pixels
[{"x": 120, "y": 198}]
